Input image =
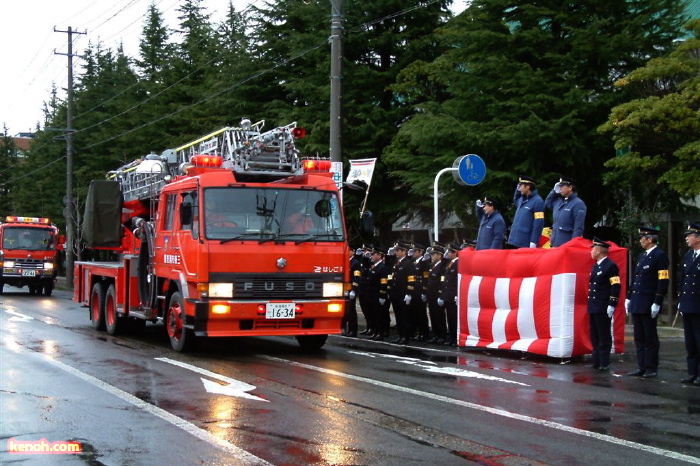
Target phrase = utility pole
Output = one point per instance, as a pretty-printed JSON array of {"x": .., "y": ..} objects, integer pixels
[
  {"x": 336, "y": 40},
  {"x": 68, "y": 212}
]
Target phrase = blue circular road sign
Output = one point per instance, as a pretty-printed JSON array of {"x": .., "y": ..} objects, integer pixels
[{"x": 471, "y": 169}]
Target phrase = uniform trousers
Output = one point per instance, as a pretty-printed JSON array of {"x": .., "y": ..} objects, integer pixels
[
  {"x": 438, "y": 320},
  {"x": 691, "y": 329},
  {"x": 601, "y": 339},
  {"x": 451, "y": 313},
  {"x": 647, "y": 342},
  {"x": 350, "y": 316},
  {"x": 402, "y": 314}
]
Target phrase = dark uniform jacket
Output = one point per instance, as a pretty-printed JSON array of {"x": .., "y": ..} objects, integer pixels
[
  {"x": 356, "y": 272},
  {"x": 403, "y": 278},
  {"x": 650, "y": 281},
  {"x": 528, "y": 221},
  {"x": 422, "y": 272},
  {"x": 603, "y": 286},
  {"x": 492, "y": 230},
  {"x": 448, "y": 291},
  {"x": 376, "y": 284},
  {"x": 689, "y": 297},
  {"x": 435, "y": 278},
  {"x": 569, "y": 217}
]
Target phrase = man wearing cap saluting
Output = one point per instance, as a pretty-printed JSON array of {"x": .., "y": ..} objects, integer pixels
[
  {"x": 568, "y": 210},
  {"x": 644, "y": 300},
  {"x": 528, "y": 222},
  {"x": 376, "y": 283},
  {"x": 492, "y": 227},
  {"x": 603, "y": 295},
  {"x": 689, "y": 302}
]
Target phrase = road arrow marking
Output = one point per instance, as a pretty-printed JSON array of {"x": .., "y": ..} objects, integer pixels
[
  {"x": 230, "y": 387},
  {"x": 18, "y": 317}
]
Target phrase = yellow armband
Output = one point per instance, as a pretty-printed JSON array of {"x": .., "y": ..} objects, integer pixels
[
  {"x": 663, "y": 274},
  {"x": 614, "y": 280}
]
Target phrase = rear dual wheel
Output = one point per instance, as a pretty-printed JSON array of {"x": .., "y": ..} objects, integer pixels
[{"x": 97, "y": 306}]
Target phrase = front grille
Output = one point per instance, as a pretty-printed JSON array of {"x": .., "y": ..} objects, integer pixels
[
  {"x": 29, "y": 263},
  {"x": 276, "y": 286}
]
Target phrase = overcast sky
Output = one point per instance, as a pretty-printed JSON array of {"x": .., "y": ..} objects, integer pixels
[{"x": 28, "y": 42}]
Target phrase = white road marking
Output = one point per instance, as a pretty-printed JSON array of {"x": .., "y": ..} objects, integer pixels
[
  {"x": 240, "y": 456},
  {"x": 435, "y": 369},
  {"x": 18, "y": 316},
  {"x": 498, "y": 412},
  {"x": 233, "y": 387}
]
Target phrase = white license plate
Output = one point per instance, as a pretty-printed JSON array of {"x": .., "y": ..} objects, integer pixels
[
  {"x": 28, "y": 273},
  {"x": 279, "y": 311}
]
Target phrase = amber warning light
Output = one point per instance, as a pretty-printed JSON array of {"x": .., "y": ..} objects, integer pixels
[
  {"x": 316, "y": 165},
  {"x": 211, "y": 161}
]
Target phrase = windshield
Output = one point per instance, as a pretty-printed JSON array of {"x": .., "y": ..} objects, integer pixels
[
  {"x": 268, "y": 214},
  {"x": 27, "y": 238}
]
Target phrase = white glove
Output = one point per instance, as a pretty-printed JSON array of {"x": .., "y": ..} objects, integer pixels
[
  {"x": 424, "y": 298},
  {"x": 655, "y": 308},
  {"x": 679, "y": 308},
  {"x": 391, "y": 252},
  {"x": 557, "y": 187},
  {"x": 426, "y": 257},
  {"x": 382, "y": 301},
  {"x": 455, "y": 299},
  {"x": 407, "y": 299},
  {"x": 533, "y": 245},
  {"x": 441, "y": 302},
  {"x": 611, "y": 311},
  {"x": 351, "y": 295},
  {"x": 627, "y": 307},
  {"x": 479, "y": 203}
]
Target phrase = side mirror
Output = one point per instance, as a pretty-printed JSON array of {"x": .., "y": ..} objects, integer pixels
[{"x": 367, "y": 222}]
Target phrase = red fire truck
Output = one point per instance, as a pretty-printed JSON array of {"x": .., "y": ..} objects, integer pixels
[
  {"x": 233, "y": 234},
  {"x": 29, "y": 253}
]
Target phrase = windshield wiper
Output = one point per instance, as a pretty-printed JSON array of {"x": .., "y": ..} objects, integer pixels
[
  {"x": 314, "y": 237},
  {"x": 243, "y": 235}
]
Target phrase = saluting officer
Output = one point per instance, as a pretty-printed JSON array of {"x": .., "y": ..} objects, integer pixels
[
  {"x": 528, "y": 222},
  {"x": 644, "y": 300},
  {"x": 377, "y": 293},
  {"x": 364, "y": 254},
  {"x": 448, "y": 291},
  {"x": 419, "y": 313},
  {"x": 568, "y": 211},
  {"x": 402, "y": 281},
  {"x": 689, "y": 302},
  {"x": 432, "y": 289},
  {"x": 603, "y": 295},
  {"x": 492, "y": 227}
]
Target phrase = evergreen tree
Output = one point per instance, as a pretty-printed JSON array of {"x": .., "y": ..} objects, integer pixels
[{"x": 525, "y": 85}]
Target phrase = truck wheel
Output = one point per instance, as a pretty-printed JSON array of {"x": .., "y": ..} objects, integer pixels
[
  {"x": 48, "y": 289},
  {"x": 32, "y": 289},
  {"x": 97, "y": 307},
  {"x": 312, "y": 342},
  {"x": 181, "y": 338},
  {"x": 113, "y": 322},
  {"x": 39, "y": 290},
  {"x": 2, "y": 285}
]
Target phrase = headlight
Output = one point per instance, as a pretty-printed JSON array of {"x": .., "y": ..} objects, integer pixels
[
  {"x": 8, "y": 264},
  {"x": 221, "y": 290},
  {"x": 48, "y": 265},
  {"x": 332, "y": 290}
]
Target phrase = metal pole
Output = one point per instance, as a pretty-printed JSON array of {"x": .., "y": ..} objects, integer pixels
[
  {"x": 69, "y": 214},
  {"x": 436, "y": 225},
  {"x": 336, "y": 104}
]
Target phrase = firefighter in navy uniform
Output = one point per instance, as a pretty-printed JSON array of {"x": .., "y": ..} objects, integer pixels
[
  {"x": 432, "y": 285},
  {"x": 364, "y": 254},
  {"x": 376, "y": 292},
  {"x": 492, "y": 227},
  {"x": 350, "y": 317},
  {"x": 568, "y": 211},
  {"x": 448, "y": 291},
  {"x": 402, "y": 289},
  {"x": 528, "y": 222},
  {"x": 644, "y": 300},
  {"x": 689, "y": 303},
  {"x": 418, "y": 305},
  {"x": 603, "y": 295}
]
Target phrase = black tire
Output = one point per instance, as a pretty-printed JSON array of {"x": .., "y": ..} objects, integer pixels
[
  {"x": 40, "y": 290},
  {"x": 2, "y": 285},
  {"x": 113, "y": 322},
  {"x": 31, "y": 289},
  {"x": 312, "y": 342},
  {"x": 181, "y": 338},
  {"x": 97, "y": 307},
  {"x": 48, "y": 289}
]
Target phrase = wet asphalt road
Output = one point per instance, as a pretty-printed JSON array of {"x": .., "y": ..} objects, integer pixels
[{"x": 131, "y": 400}]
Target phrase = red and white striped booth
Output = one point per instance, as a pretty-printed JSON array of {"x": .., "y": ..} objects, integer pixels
[{"x": 533, "y": 300}]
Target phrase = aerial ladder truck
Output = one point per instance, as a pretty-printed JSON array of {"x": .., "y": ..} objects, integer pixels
[{"x": 232, "y": 234}]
